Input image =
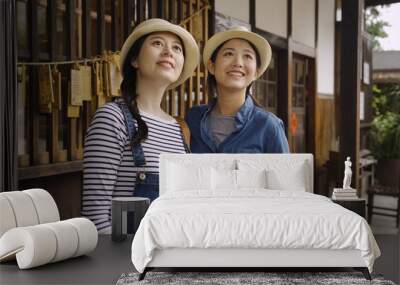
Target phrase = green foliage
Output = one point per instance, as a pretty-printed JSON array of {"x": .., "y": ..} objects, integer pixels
[
  {"x": 375, "y": 26},
  {"x": 385, "y": 131}
]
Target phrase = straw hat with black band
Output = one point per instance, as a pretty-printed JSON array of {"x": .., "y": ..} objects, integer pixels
[
  {"x": 262, "y": 46},
  {"x": 191, "y": 49}
]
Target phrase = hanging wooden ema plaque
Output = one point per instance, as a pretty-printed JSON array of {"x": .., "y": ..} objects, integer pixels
[
  {"x": 76, "y": 86},
  {"x": 57, "y": 88},
  {"x": 101, "y": 100},
  {"x": 115, "y": 76},
  {"x": 86, "y": 73},
  {"x": 75, "y": 93},
  {"x": 46, "y": 97},
  {"x": 106, "y": 78}
]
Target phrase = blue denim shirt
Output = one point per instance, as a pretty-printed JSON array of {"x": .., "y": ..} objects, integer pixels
[{"x": 257, "y": 131}]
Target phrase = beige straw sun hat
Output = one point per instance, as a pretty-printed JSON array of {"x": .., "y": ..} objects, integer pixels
[
  {"x": 192, "y": 54},
  {"x": 261, "y": 44}
]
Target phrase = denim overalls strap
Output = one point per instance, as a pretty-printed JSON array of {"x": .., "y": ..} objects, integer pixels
[
  {"x": 147, "y": 184},
  {"x": 137, "y": 151}
]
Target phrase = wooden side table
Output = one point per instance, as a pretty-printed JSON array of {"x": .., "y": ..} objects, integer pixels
[
  {"x": 355, "y": 205},
  {"x": 119, "y": 215}
]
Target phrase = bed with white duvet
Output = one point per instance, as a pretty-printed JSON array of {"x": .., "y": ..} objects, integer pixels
[{"x": 243, "y": 210}]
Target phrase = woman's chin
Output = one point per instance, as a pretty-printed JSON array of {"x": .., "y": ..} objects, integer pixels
[
  {"x": 234, "y": 87},
  {"x": 167, "y": 77}
]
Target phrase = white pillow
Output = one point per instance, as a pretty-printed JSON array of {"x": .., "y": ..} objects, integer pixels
[
  {"x": 223, "y": 179},
  {"x": 183, "y": 177},
  {"x": 282, "y": 174},
  {"x": 293, "y": 180},
  {"x": 251, "y": 178}
]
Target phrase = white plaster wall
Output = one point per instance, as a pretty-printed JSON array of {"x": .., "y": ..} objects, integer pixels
[
  {"x": 303, "y": 21},
  {"x": 271, "y": 16},
  {"x": 326, "y": 47},
  {"x": 239, "y": 9}
]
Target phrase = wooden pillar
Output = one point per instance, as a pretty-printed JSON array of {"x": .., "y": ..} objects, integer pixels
[
  {"x": 34, "y": 85},
  {"x": 114, "y": 26},
  {"x": 101, "y": 27},
  {"x": 8, "y": 98},
  {"x": 350, "y": 86},
  {"x": 127, "y": 15},
  {"x": 55, "y": 116},
  {"x": 71, "y": 54},
  {"x": 289, "y": 61},
  {"x": 86, "y": 53}
]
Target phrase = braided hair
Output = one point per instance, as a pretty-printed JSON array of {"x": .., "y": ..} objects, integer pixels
[{"x": 129, "y": 94}]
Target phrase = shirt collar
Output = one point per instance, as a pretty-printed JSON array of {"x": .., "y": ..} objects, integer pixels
[
  {"x": 244, "y": 111},
  {"x": 241, "y": 118}
]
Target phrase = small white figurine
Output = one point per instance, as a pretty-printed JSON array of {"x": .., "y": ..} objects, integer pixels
[{"x": 347, "y": 174}]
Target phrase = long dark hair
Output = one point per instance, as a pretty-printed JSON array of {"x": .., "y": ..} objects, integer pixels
[
  {"x": 212, "y": 82},
  {"x": 128, "y": 90}
]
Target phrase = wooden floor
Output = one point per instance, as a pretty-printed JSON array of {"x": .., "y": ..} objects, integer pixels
[{"x": 110, "y": 260}]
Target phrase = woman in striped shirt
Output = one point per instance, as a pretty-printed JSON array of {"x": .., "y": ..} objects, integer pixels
[{"x": 126, "y": 137}]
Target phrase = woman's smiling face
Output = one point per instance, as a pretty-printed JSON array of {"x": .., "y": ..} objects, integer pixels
[
  {"x": 160, "y": 58},
  {"x": 235, "y": 66}
]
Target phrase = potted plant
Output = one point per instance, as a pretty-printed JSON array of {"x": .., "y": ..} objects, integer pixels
[{"x": 385, "y": 133}]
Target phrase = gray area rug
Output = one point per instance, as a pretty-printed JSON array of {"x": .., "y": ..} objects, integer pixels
[{"x": 229, "y": 278}]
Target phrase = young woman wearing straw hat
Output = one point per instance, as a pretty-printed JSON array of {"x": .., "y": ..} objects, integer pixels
[
  {"x": 233, "y": 122},
  {"x": 126, "y": 137}
]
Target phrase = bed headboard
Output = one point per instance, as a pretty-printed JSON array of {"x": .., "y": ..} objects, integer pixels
[{"x": 281, "y": 163}]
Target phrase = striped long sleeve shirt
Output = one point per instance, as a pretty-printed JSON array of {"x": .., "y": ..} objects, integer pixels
[{"x": 108, "y": 167}]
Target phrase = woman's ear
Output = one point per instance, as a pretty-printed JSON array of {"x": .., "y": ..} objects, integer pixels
[
  {"x": 134, "y": 62},
  {"x": 211, "y": 67},
  {"x": 255, "y": 74}
]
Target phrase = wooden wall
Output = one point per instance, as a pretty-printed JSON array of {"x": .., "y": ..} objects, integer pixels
[
  {"x": 70, "y": 31},
  {"x": 64, "y": 188},
  {"x": 325, "y": 129}
]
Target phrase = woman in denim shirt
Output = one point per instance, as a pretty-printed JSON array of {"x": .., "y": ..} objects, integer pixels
[{"x": 232, "y": 122}]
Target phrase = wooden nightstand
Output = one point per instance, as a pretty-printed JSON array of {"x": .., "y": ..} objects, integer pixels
[{"x": 356, "y": 205}]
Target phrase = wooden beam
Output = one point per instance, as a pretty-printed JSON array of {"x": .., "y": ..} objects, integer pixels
[
  {"x": 205, "y": 39},
  {"x": 160, "y": 9},
  {"x": 303, "y": 49},
  {"x": 86, "y": 53},
  {"x": 141, "y": 11},
  {"x": 172, "y": 11},
  {"x": 33, "y": 85},
  {"x": 350, "y": 86},
  {"x": 310, "y": 106},
  {"x": 252, "y": 14},
  {"x": 49, "y": 169},
  {"x": 71, "y": 54},
  {"x": 86, "y": 29},
  {"x": 180, "y": 11},
  {"x": 189, "y": 27},
  {"x": 8, "y": 98},
  {"x": 127, "y": 18},
  {"x": 211, "y": 18},
  {"x": 71, "y": 41},
  {"x": 101, "y": 26},
  {"x": 54, "y": 118},
  {"x": 289, "y": 67},
  {"x": 114, "y": 26}
]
